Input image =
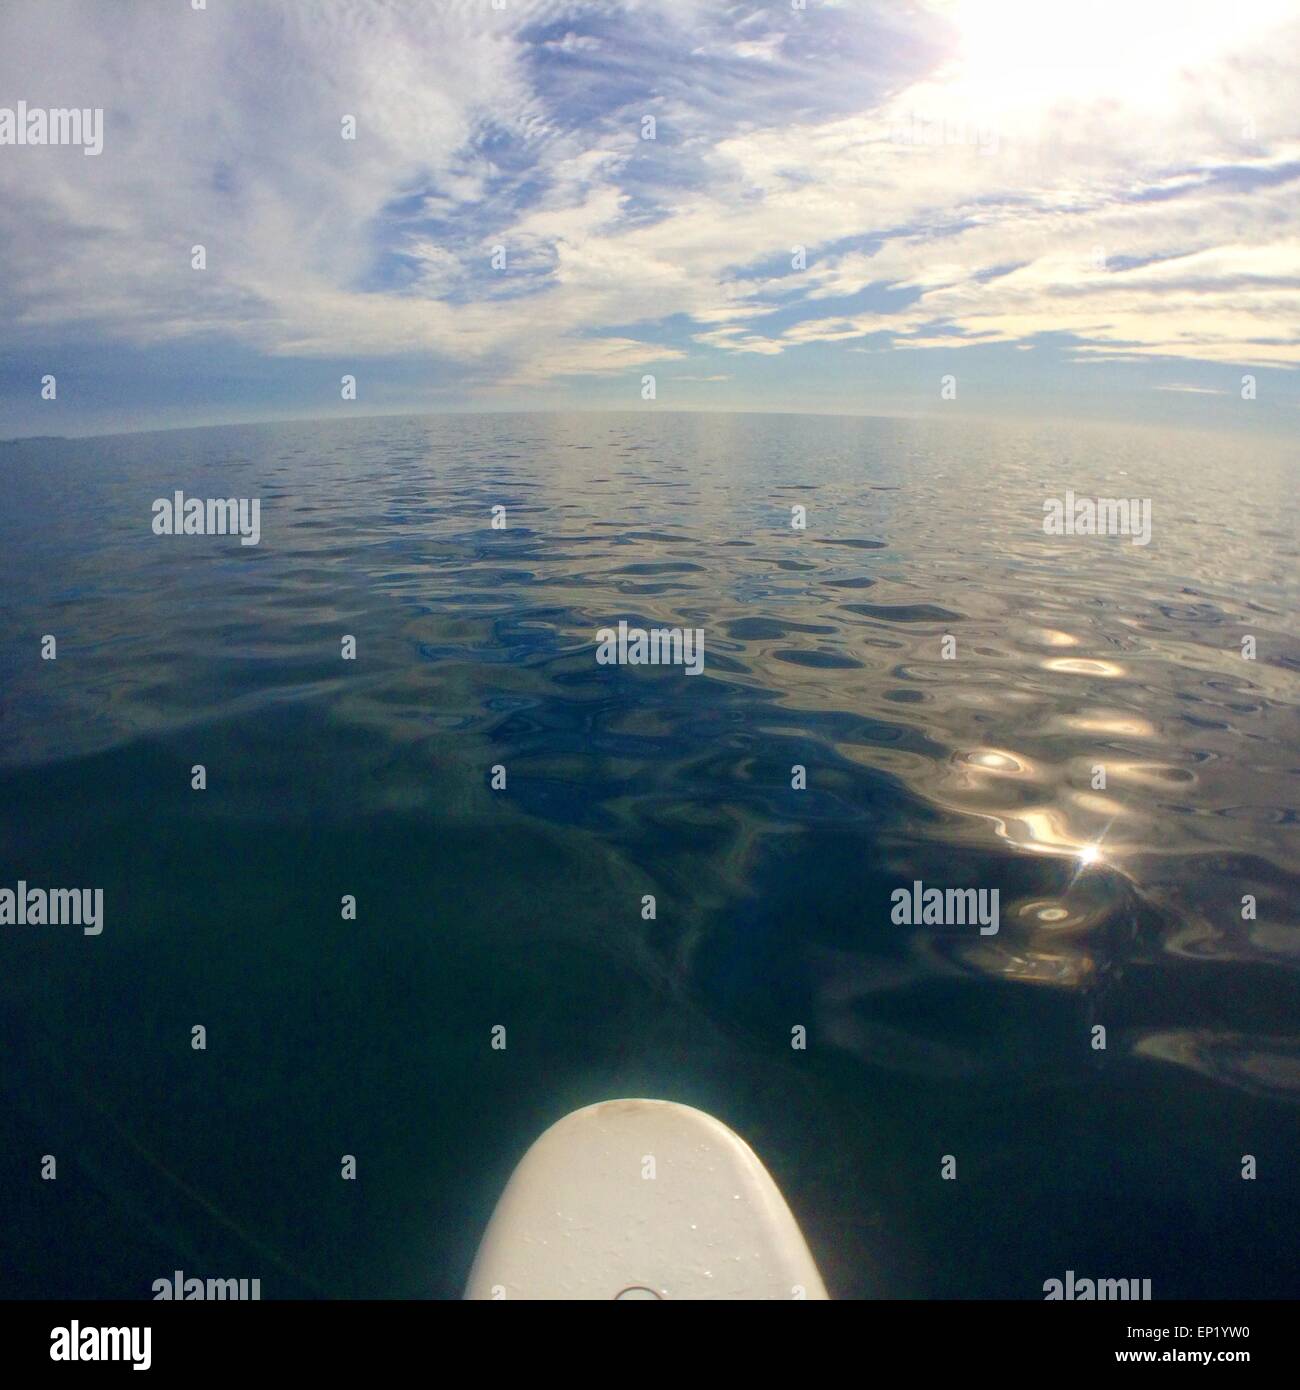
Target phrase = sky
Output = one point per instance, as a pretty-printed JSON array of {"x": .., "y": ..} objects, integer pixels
[{"x": 1085, "y": 211}]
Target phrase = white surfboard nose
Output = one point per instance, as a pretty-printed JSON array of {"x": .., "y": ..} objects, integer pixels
[{"x": 642, "y": 1199}]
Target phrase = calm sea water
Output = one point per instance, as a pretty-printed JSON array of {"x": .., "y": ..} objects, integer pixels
[{"x": 523, "y": 907}]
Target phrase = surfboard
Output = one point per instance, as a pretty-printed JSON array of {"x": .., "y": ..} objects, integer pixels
[{"x": 642, "y": 1199}]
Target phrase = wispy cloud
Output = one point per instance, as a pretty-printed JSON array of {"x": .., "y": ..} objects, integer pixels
[{"x": 848, "y": 176}]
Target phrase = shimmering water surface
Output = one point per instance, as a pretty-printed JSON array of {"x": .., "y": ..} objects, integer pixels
[{"x": 1119, "y": 906}]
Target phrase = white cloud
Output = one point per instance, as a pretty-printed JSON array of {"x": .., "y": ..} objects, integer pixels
[{"x": 223, "y": 128}]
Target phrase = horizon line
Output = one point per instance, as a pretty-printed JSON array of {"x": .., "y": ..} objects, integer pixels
[{"x": 990, "y": 418}]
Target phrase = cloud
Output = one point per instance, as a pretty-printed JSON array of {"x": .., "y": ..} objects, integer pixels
[
  {"x": 574, "y": 43},
  {"x": 935, "y": 205}
]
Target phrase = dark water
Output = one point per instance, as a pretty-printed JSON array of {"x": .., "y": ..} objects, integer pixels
[{"x": 523, "y": 907}]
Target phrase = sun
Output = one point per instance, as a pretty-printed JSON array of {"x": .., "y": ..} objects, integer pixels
[{"x": 1133, "y": 51}]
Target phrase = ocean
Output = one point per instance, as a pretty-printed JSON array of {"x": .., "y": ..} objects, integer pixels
[{"x": 1075, "y": 721}]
